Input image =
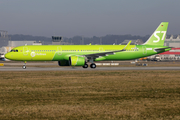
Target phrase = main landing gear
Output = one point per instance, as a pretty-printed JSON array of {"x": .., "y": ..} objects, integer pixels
[
  {"x": 93, "y": 65},
  {"x": 85, "y": 66},
  {"x": 24, "y": 66}
]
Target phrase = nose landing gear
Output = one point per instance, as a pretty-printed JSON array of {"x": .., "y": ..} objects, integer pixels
[{"x": 24, "y": 66}]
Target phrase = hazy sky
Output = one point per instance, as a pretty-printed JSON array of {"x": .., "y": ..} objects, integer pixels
[{"x": 88, "y": 17}]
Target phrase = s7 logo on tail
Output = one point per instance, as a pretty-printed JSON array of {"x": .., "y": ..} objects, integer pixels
[{"x": 158, "y": 38}]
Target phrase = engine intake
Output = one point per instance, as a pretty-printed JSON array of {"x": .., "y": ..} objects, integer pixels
[{"x": 76, "y": 61}]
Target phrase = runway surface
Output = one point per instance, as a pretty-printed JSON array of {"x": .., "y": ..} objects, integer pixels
[
  {"x": 53, "y": 66},
  {"x": 9, "y": 68}
]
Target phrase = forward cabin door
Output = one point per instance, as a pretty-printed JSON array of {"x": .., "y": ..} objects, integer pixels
[
  {"x": 101, "y": 49},
  {"x": 59, "y": 50},
  {"x": 25, "y": 51}
]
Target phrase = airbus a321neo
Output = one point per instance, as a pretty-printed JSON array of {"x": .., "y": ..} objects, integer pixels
[{"x": 79, "y": 55}]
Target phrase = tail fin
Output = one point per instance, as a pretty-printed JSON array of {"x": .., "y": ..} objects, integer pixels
[{"x": 159, "y": 35}]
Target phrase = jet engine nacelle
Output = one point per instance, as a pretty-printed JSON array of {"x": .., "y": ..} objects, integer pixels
[
  {"x": 73, "y": 61},
  {"x": 63, "y": 63},
  {"x": 77, "y": 61}
]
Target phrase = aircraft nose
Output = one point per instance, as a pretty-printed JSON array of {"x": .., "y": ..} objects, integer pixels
[{"x": 7, "y": 56}]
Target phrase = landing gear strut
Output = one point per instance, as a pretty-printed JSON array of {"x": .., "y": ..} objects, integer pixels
[
  {"x": 93, "y": 65},
  {"x": 24, "y": 66}
]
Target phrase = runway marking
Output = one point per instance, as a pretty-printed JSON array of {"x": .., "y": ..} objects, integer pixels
[
  {"x": 7, "y": 68},
  {"x": 1, "y": 64}
]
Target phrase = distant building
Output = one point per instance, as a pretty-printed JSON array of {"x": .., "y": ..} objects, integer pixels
[
  {"x": 37, "y": 43},
  {"x": 133, "y": 42},
  {"x": 172, "y": 41},
  {"x": 58, "y": 40},
  {"x": 6, "y": 49},
  {"x": 66, "y": 43},
  {"x": 21, "y": 43},
  {"x": 3, "y": 51},
  {"x": 4, "y": 38}
]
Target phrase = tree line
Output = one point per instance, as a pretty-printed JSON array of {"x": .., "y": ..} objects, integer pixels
[{"x": 78, "y": 40}]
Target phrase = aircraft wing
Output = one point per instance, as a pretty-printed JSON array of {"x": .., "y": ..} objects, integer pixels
[{"x": 96, "y": 55}]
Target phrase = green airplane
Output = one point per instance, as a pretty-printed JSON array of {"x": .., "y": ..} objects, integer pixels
[{"x": 79, "y": 55}]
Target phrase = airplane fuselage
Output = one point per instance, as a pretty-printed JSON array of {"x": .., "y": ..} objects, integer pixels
[{"x": 62, "y": 52}]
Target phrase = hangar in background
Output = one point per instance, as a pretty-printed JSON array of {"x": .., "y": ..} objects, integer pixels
[
  {"x": 58, "y": 40},
  {"x": 172, "y": 41},
  {"x": 133, "y": 42},
  {"x": 4, "y": 38},
  {"x": 6, "y": 44}
]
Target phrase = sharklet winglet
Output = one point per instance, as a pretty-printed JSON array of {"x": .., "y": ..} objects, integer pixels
[{"x": 127, "y": 45}]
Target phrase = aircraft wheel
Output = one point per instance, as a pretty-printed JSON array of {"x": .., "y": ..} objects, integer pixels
[
  {"x": 93, "y": 65},
  {"x": 85, "y": 66},
  {"x": 24, "y": 67}
]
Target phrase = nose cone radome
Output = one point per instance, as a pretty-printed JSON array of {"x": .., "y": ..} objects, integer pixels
[{"x": 7, "y": 56}]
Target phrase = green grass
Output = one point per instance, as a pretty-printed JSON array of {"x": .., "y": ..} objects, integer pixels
[{"x": 90, "y": 95}]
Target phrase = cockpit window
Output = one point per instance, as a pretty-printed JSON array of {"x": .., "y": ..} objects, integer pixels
[{"x": 14, "y": 51}]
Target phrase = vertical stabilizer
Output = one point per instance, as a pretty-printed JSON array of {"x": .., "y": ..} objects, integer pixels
[{"x": 159, "y": 35}]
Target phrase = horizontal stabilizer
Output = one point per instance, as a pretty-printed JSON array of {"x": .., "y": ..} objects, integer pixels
[{"x": 159, "y": 49}]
